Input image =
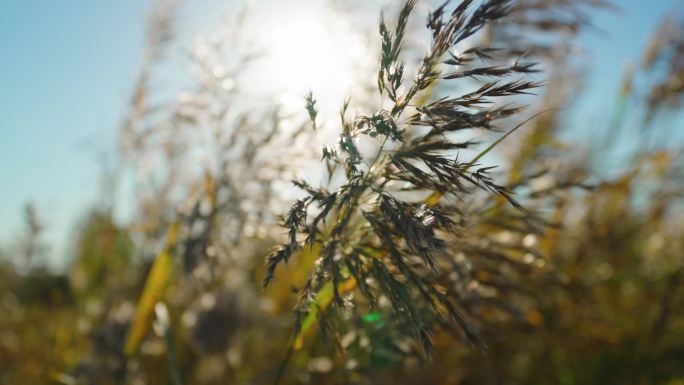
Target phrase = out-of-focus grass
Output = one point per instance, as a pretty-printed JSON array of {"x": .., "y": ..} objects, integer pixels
[{"x": 590, "y": 291}]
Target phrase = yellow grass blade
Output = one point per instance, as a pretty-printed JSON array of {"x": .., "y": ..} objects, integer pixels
[{"x": 154, "y": 289}]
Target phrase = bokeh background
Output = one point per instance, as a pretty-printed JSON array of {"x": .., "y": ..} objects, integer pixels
[
  {"x": 116, "y": 116},
  {"x": 70, "y": 69}
]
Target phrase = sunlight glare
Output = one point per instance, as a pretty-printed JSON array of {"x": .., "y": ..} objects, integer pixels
[{"x": 307, "y": 54}]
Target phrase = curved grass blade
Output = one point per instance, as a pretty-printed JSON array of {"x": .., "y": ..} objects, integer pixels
[{"x": 155, "y": 286}]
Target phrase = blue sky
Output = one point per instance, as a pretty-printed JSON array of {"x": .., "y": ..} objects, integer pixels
[
  {"x": 68, "y": 67},
  {"x": 66, "y": 75}
]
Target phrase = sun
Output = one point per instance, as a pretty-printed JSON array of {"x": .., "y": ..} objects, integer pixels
[
  {"x": 312, "y": 52},
  {"x": 305, "y": 54}
]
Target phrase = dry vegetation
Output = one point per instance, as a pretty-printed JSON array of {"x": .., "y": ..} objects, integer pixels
[{"x": 413, "y": 259}]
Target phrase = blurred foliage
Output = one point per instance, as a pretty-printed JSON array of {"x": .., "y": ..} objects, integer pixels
[
  {"x": 102, "y": 257},
  {"x": 584, "y": 286}
]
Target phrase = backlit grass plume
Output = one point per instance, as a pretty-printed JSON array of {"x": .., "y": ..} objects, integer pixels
[{"x": 388, "y": 227}]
